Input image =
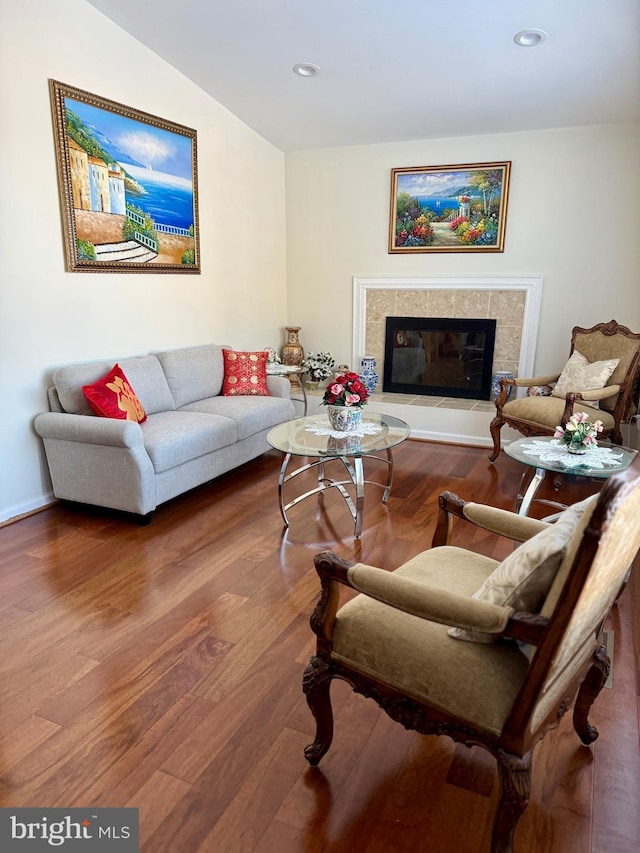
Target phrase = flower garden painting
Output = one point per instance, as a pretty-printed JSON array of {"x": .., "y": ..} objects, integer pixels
[
  {"x": 128, "y": 186},
  {"x": 449, "y": 208}
]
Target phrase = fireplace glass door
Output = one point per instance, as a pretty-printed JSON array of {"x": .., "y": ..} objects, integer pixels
[{"x": 440, "y": 356}]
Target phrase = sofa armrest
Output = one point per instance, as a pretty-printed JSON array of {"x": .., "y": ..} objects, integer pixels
[
  {"x": 279, "y": 386},
  {"x": 98, "y": 461},
  {"x": 89, "y": 429}
]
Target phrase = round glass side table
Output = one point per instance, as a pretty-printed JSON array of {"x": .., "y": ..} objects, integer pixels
[{"x": 543, "y": 453}]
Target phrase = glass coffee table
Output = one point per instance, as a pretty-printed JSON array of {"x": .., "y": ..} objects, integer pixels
[
  {"x": 543, "y": 453},
  {"x": 312, "y": 437}
]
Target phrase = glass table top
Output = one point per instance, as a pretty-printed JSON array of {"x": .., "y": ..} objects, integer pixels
[
  {"x": 312, "y": 436},
  {"x": 547, "y": 453}
]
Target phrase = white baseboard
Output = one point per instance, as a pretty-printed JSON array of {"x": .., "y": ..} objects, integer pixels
[
  {"x": 452, "y": 438},
  {"x": 12, "y": 513}
]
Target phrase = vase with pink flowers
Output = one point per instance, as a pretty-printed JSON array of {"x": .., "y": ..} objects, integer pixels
[
  {"x": 344, "y": 398},
  {"x": 579, "y": 434}
]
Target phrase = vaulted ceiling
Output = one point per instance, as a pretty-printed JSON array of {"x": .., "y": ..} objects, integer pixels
[{"x": 394, "y": 70}]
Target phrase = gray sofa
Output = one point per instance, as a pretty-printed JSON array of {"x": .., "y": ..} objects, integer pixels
[{"x": 192, "y": 434}]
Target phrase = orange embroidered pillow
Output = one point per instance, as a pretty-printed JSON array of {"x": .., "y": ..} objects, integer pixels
[
  {"x": 113, "y": 397},
  {"x": 245, "y": 374}
]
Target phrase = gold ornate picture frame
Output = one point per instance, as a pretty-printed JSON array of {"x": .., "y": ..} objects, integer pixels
[
  {"x": 128, "y": 186},
  {"x": 449, "y": 208}
]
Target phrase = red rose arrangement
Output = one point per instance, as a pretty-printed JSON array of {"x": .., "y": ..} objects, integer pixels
[{"x": 345, "y": 390}]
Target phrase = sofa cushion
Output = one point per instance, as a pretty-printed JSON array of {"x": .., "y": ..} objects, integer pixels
[
  {"x": 245, "y": 374},
  {"x": 250, "y": 414},
  {"x": 144, "y": 373},
  {"x": 113, "y": 397},
  {"x": 193, "y": 373},
  {"x": 173, "y": 438}
]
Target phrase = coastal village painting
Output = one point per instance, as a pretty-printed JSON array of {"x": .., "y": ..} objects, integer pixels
[
  {"x": 449, "y": 208},
  {"x": 128, "y": 186}
]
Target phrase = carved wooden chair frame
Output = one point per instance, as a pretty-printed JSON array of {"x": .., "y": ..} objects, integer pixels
[{"x": 513, "y": 747}]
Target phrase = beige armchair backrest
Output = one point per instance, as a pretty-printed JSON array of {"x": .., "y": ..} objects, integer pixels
[
  {"x": 597, "y": 346},
  {"x": 591, "y": 576}
]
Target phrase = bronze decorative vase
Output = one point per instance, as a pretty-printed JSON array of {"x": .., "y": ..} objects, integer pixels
[{"x": 292, "y": 352}]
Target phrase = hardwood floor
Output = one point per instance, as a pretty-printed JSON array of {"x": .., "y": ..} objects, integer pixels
[{"x": 160, "y": 667}]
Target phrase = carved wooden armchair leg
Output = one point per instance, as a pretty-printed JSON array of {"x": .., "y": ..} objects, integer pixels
[
  {"x": 496, "y": 425},
  {"x": 515, "y": 785},
  {"x": 589, "y": 689},
  {"x": 316, "y": 683}
]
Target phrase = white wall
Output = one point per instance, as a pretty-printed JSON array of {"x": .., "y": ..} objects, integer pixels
[
  {"x": 574, "y": 218},
  {"x": 49, "y": 317}
]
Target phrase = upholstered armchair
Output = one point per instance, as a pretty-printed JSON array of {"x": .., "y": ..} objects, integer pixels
[
  {"x": 600, "y": 378},
  {"x": 487, "y": 653}
]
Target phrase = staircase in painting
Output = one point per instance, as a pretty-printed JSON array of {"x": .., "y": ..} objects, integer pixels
[{"x": 128, "y": 250}]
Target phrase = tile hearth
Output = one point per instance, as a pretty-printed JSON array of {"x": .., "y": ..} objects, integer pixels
[{"x": 422, "y": 400}]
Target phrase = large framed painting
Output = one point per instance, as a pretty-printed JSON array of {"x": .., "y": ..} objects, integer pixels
[
  {"x": 128, "y": 186},
  {"x": 449, "y": 208}
]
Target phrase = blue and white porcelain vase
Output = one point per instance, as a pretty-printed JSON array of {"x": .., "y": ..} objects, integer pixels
[
  {"x": 368, "y": 376},
  {"x": 495, "y": 382}
]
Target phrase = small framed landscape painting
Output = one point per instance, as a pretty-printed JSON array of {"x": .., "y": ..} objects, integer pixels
[
  {"x": 128, "y": 186},
  {"x": 449, "y": 208}
]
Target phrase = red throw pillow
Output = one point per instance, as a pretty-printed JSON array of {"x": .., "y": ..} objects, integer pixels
[
  {"x": 113, "y": 397},
  {"x": 245, "y": 374}
]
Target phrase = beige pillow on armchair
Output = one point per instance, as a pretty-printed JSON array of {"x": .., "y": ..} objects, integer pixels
[
  {"x": 579, "y": 375},
  {"x": 524, "y": 578}
]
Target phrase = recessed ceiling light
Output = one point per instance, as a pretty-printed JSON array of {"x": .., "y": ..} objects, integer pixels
[
  {"x": 306, "y": 69},
  {"x": 530, "y": 38}
]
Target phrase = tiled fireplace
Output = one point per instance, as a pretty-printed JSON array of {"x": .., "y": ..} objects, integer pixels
[{"x": 514, "y": 302}]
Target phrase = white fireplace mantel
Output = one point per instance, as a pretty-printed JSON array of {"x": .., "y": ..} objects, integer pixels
[{"x": 445, "y": 422}]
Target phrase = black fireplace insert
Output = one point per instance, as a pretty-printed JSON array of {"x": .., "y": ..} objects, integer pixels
[{"x": 439, "y": 356}]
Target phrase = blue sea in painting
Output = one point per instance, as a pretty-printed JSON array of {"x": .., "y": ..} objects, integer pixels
[
  {"x": 438, "y": 205},
  {"x": 168, "y": 200}
]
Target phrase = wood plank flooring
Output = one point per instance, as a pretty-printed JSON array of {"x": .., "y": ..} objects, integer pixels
[{"x": 160, "y": 667}]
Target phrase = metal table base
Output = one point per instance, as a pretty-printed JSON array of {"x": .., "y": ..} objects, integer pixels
[
  {"x": 356, "y": 479},
  {"x": 529, "y": 485}
]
